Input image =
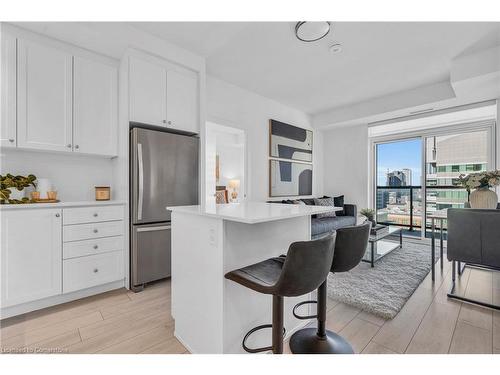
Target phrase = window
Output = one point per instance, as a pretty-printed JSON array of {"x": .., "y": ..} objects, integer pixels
[{"x": 400, "y": 198}]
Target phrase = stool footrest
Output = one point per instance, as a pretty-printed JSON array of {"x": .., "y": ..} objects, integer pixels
[
  {"x": 253, "y": 330},
  {"x": 304, "y": 317}
]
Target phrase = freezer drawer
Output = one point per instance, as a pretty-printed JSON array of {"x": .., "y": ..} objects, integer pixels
[{"x": 151, "y": 253}]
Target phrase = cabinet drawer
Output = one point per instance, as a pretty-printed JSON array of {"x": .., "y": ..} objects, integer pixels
[
  {"x": 92, "y": 270},
  {"x": 83, "y": 215},
  {"x": 91, "y": 247},
  {"x": 95, "y": 230}
]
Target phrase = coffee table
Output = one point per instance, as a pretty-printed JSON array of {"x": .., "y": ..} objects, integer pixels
[{"x": 378, "y": 247}]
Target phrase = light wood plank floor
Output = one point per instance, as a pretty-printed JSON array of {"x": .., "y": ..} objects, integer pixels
[{"x": 125, "y": 322}]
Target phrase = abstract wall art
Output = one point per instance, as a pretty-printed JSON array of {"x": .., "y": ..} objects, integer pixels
[
  {"x": 290, "y": 142},
  {"x": 288, "y": 178}
]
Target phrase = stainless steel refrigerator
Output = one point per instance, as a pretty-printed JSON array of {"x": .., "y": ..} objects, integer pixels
[{"x": 163, "y": 172}]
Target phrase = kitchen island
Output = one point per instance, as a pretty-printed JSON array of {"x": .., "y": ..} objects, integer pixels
[{"x": 213, "y": 314}]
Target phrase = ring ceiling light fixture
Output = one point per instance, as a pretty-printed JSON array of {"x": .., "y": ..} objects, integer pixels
[{"x": 311, "y": 31}]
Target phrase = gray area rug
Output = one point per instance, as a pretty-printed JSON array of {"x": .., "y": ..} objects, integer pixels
[{"x": 384, "y": 289}]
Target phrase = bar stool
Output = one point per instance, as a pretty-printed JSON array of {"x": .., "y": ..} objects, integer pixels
[
  {"x": 350, "y": 246},
  {"x": 301, "y": 271}
]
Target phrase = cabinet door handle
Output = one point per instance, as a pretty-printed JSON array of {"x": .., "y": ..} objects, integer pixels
[
  {"x": 68, "y": 145},
  {"x": 96, "y": 270},
  {"x": 11, "y": 140},
  {"x": 57, "y": 215},
  {"x": 96, "y": 214},
  {"x": 169, "y": 122},
  {"x": 95, "y": 231},
  {"x": 77, "y": 147},
  {"x": 96, "y": 247},
  {"x": 164, "y": 121}
]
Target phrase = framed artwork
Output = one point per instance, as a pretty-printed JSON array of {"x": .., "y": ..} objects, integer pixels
[
  {"x": 288, "y": 178},
  {"x": 290, "y": 142}
]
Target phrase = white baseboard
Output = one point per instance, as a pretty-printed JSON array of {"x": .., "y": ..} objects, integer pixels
[{"x": 23, "y": 308}]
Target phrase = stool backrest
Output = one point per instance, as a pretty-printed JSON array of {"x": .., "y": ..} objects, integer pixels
[
  {"x": 350, "y": 246},
  {"x": 306, "y": 266}
]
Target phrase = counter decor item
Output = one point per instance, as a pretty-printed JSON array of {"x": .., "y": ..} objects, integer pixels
[
  {"x": 43, "y": 186},
  {"x": 52, "y": 195},
  {"x": 102, "y": 193},
  {"x": 12, "y": 188},
  {"x": 482, "y": 182}
]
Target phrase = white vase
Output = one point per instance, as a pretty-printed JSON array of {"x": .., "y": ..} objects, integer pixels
[
  {"x": 43, "y": 185},
  {"x": 483, "y": 198},
  {"x": 16, "y": 194}
]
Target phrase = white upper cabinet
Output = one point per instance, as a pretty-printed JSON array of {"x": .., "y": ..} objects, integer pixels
[
  {"x": 95, "y": 108},
  {"x": 31, "y": 255},
  {"x": 182, "y": 100},
  {"x": 148, "y": 90},
  {"x": 44, "y": 93},
  {"x": 8, "y": 94},
  {"x": 163, "y": 94}
]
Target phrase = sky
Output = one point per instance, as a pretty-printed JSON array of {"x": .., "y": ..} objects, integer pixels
[{"x": 397, "y": 156}]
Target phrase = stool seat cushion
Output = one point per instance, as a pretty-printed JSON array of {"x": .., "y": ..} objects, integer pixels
[{"x": 261, "y": 277}]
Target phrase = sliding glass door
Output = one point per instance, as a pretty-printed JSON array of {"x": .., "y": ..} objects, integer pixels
[
  {"x": 418, "y": 176},
  {"x": 447, "y": 157},
  {"x": 399, "y": 190}
]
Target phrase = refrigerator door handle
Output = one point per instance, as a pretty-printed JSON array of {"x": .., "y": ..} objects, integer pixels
[
  {"x": 154, "y": 229},
  {"x": 141, "y": 181}
]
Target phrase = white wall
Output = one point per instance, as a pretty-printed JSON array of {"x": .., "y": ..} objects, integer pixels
[
  {"x": 346, "y": 164},
  {"x": 73, "y": 176},
  {"x": 232, "y": 106}
]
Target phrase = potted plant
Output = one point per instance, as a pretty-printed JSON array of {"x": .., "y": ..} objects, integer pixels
[
  {"x": 481, "y": 182},
  {"x": 12, "y": 187},
  {"x": 370, "y": 215}
]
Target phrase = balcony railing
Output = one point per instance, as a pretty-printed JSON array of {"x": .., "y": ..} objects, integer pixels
[{"x": 404, "y": 205}]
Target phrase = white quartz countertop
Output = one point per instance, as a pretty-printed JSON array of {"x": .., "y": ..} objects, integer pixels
[
  {"x": 6, "y": 207},
  {"x": 254, "y": 212}
]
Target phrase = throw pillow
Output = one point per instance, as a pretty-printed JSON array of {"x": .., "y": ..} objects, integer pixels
[
  {"x": 325, "y": 202},
  {"x": 308, "y": 201},
  {"x": 339, "y": 202}
]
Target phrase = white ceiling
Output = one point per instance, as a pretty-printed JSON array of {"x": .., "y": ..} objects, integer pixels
[{"x": 377, "y": 58}]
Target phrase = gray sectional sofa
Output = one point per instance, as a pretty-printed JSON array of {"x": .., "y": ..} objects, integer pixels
[{"x": 326, "y": 225}]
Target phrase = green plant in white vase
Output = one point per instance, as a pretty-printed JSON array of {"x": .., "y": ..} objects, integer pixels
[
  {"x": 481, "y": 183},
  {"x": 369, "y": 214},
  {"x": 11, "y": 185}
]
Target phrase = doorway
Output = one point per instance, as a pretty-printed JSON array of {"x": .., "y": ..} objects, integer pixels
[{"x": 225, "y": 158}]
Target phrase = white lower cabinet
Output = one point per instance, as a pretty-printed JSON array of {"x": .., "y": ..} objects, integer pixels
[
  {"x": 31, "y": 255},
  {"x": 77, "y": 249},
  {"x": 92, "y": 230},
  {"x": 92, "y": 270},
  {"x": 44, "y": 259}
]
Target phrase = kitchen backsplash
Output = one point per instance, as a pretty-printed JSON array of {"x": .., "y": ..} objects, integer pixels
[{"x": 73, "y": 176}]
